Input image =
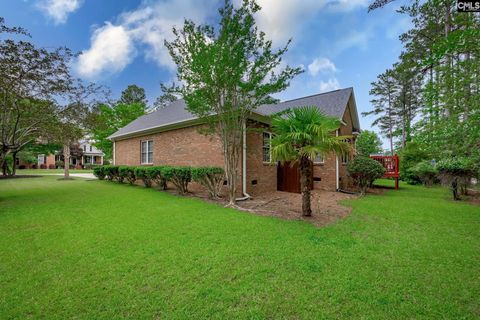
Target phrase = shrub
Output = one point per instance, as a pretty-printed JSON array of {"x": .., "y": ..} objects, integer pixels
[
  {"x": 59, "y": 164},
  {"x": 426, "y": 172},
  {"x": 99, "y": 172},
  {"x": 51, "y": 166},
  {"x": 127, "y": 173},
  {"x": 179, "y": 176},
  {"x": 142, "y": 174},
  {"x": 364, "y": 171},
  {"x": 457, "y": 172},
  {"x": 209, "y": 177},
  {"x": 155, "y": 174},
  {"x": 111, "y": 172},
  {"x": 410, "y": 156}
]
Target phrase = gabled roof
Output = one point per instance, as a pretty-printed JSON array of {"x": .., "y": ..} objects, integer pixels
[{"x": 333, "y": 103}]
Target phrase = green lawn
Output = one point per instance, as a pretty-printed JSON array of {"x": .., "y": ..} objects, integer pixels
[
  {"x": 50, "y": 171},
  {"x": 93, "y": 249}
]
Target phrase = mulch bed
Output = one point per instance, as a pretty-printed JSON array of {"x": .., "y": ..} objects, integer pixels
[{"x": 325, "y": 205}]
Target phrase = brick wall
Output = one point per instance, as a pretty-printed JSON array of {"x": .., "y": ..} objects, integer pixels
[
  {"x": 261, "y": 177},
  {"x": 181, "y": 147},
  {"x": 186, "y": 146}
]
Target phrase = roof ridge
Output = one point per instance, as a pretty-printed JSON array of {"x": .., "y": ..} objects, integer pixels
[{"x": 314, "y": 95}]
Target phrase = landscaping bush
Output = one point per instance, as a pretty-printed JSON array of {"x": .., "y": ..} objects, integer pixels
[
  {"x": 43, "y": 166},
  {"x": 51, "y": 166},
  {"x": 127, "y": 173},
  {"x": 99, "y": 172},
  {"x": 364, "y": 171},
  {"x": 111, "y": 172},
  {"x": 59, "y": 164},
  {"x": 179, "y": 176},
  {"x": 426, "y": 172},
  {"x": 457, "y": 173},
  {"x": 211, "y": 178},
  {"x": 143, "y": 174},
  {"x": 155, "y": 174}
]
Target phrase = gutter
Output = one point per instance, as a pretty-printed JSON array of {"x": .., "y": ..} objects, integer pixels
[
  {"x": 246, "y": 196},
  {"x": 337, "y": 174}
]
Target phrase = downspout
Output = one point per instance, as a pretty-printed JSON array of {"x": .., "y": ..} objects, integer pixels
[
  {"x": 113, "y": 152},
  {"x": 337, "y": 174},
  {"x": 246, "y": 196}
]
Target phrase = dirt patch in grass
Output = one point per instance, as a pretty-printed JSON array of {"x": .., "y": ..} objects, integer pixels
[
  {"x": 325, "y": 206},
  {"x": 285, "y": 205}
]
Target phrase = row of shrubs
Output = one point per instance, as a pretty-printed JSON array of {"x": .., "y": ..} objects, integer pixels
[{"x": 209, "y": 177}]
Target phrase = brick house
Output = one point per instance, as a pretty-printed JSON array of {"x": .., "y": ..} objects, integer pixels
[{"x": 169, "y": 136}]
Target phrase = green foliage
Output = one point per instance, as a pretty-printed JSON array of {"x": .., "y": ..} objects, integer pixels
[
  {"x": 227, "y": 71},
  {"x": 107, "y": 119},
  {"x": 364, "y": 171},
  {"x": 133, "y": 94},
  {"x": 426, "y": 172},
  {"x": 111, "y": 172},
  {"x": 367, "y": 143},
  {"x": 410, "y": 156},
  {"x": 100, "y": 172},
  {"x": 27, "y": 156},
  {"x": 179, "y": 176},
  {"x": 457, "y": 173},
  {"x": 59, "y": 164},
  {"x": 211, "y": 178},
  {"x": 143, "y": 174},
  {"x": 127, "y": 173},
  {"x": 300, "y": 135}
]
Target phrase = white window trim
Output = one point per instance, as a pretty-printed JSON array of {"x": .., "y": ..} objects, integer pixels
[
  {"x": 270, "y": 148},
  {"x": 141, "y": 151},
  {"x": 319, "y": 162}
]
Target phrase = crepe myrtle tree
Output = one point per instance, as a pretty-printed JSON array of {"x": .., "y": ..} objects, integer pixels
[
  {"x": 226, "y": 72},
  {"x": 301, "y": 134}
]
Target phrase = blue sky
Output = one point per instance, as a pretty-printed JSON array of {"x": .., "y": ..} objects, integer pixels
[{"x": 337, "y": 42}]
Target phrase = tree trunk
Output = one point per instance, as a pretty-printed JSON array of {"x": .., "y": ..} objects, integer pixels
[
  {"x": 305, "y": 176},
  {"x": 14, "y": 166},
  {"x": 66, "y": 161}
]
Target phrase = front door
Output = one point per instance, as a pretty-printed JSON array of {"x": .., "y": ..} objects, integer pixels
[{"x": 288, "y": 177}]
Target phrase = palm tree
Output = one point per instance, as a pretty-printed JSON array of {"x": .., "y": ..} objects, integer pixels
[{"x": 299, "y": 135}]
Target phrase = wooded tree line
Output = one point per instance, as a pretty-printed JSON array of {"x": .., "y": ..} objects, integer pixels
[{"x": 431, "y": 96}]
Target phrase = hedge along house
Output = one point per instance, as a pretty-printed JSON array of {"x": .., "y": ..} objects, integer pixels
[{"x": 170, "y": 136}]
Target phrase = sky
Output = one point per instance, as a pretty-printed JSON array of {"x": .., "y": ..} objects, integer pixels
[{"x": 337, "y": 42}]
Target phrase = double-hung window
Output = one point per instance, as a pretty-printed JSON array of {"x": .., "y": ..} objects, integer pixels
[
  {"x": 318, "y": 159},
  {"x": 146, "y": 152},
  {"x": 267, "y": 153}
]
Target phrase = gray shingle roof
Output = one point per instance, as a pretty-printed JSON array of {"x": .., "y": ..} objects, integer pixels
[{"x": 333, "y": 103}]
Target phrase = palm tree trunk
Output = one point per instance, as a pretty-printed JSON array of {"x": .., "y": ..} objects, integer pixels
[{"x": 305, "y": 186}]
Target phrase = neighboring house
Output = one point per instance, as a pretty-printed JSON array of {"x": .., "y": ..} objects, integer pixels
[
  {"x": 169, "y": 136},
  {"x": 82, "y": 154}
]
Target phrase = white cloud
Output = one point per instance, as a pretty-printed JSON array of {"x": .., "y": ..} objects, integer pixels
[
  {"x": 58, "y": 10},
  {"x": 348, "y": 5},
  {"x": 111, "y": 51},
  {"x": 329, "y": 85},
  {"x": 320, "y": 65},
  {"x": 146, "y": 29},
  {"x": 282, "y": 20}
]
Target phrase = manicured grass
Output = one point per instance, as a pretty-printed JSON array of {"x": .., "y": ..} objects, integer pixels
[
  {"x": 50, "y": 171},
  {"x": 94, "y": 249}
]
